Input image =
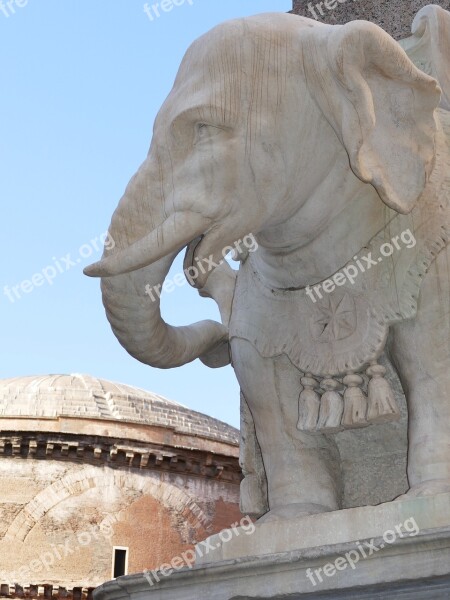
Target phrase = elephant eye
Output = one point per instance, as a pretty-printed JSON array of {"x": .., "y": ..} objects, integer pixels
[{"x": 203, "y": 131}]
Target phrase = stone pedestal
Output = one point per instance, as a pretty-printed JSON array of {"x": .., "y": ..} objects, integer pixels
[
  {"x": 394, "y": 16},
  {"x": 398, "y": 550}
]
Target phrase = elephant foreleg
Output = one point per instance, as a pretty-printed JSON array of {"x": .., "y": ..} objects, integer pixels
[{"x": 303, "y": 470}]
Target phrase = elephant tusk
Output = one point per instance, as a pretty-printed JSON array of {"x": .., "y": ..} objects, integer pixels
[{"x": 172, "y": 235}]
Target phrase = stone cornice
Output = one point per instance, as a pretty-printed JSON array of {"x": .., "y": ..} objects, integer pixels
[
  {"x": 124, "y": 430},
  {"x": 45, "y": 592},
  {"x": 119, "y": 453}
]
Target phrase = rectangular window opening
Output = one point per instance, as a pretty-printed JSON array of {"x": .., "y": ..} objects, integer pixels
[{"x": 120, "y": 562}]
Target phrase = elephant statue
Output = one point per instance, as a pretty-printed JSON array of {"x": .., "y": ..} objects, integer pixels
[{"x": 330, "y": 148}]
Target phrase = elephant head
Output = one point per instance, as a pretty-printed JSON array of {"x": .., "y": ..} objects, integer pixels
[{"x": 235, "y": 151}]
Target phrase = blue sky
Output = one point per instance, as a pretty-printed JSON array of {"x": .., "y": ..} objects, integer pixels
[{"x": 82, "y": 81}]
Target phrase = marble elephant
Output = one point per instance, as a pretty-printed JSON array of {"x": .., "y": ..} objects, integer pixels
[{"x": 331, "y": 148}]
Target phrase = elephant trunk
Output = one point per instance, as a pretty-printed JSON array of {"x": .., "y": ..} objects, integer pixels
[{"x": 134, "y": 271}]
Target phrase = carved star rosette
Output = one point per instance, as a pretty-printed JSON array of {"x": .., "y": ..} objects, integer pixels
[
  {"x": 341, "y": 333},
  {"x": 335, "y": 320}
]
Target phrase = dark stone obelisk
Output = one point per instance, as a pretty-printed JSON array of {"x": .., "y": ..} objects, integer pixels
[{"x": 394, "y": 16}]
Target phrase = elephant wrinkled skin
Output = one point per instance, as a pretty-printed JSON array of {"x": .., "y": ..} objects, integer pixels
[{"x": 326, "y": 143}]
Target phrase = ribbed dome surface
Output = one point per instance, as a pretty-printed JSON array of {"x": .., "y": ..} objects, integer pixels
[{"x": 84, "y": 396}]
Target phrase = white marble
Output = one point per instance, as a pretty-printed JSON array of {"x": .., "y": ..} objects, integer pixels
[{"x": 331, "y": 148}]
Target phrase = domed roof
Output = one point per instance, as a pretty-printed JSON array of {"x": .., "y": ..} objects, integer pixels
[{"x": 84, "y": 396}]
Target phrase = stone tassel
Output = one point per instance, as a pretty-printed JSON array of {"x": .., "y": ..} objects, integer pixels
[
  {"x": 309, "y": 404},
  {"x": 355, "y": 402},
  {"x": 382, "y": 405},
  {"x": 331, "y": 407}
]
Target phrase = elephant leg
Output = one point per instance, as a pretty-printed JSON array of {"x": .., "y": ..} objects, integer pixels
[
  {"x": 303, "y": 470},
  {"x": 420, "y": 350}
]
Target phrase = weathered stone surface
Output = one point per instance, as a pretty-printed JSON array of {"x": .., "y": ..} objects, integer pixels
[
  {"x": 394, "y": 16},
  {"x": 86, "y": 465},
  {"x": 373, "y": 460},
  {"x": 413, "y": 565},
  {"x": 329, "y": 529},
  {"x": 254, "y": 499},
  {"x": 91, "y": 509}
]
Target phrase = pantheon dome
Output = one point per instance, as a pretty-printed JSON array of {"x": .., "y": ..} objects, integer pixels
[{"x": 101, "y": 479}]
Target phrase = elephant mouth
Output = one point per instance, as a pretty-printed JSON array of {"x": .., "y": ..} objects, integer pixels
[{"x": 190, "y": 258}]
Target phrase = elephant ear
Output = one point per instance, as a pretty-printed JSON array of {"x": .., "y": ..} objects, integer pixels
[
  {"x": 381, "y": 108},
  {"x": 429, "y": 46}
]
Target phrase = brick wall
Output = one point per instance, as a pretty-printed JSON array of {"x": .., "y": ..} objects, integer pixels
[{"x": 71, "y": 515}]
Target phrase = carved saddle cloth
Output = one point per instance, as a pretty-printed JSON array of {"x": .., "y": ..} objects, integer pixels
[{"x": 346, "y": 329}]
